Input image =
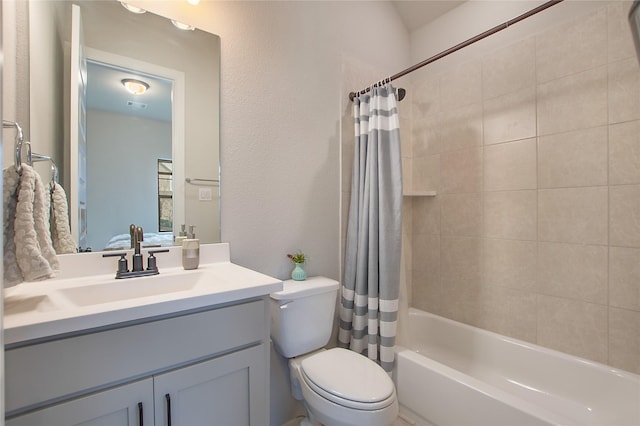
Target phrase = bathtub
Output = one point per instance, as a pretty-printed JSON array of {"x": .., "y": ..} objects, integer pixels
[{"x": 456, "y": 374}]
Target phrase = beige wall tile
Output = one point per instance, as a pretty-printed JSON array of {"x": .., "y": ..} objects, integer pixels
[
  {"x": 426, "y": 287},
  {"x": 624, "y": 278},
  {"x": 572, "y": 47},
  {"x": 578, "y": 101},
  {"x": 510, "y": 166},
  {"x": 624, "y": 215},
  {"x": 510, "y": 69},
  {"x": 426, "y": 215},
  {"x": 624, "y": 339},
  {"x": 407, "y": 217},
  {"x": 624, "y": 90},
  {"x": 575, "y": 271},
  {"x": 407, "y": 256},
  {"x": 573, "y": 326},
  {"x": 509, "y": 312},
  {"x": 406, "y": 142},
  {"x": 577, "y": 158},
  {"x": 510, "y": 215},
  {"x": 461, "y": 128},
  {"x": 510, "y": 117},
  {"x": 624, "y": 153},
  {"x": 425, "y": 173},
  {"x": 426, "y": 294},
  {"x": 510, "y": 263},
  {"x": 618, "y": 34},
  {"x": 425, "y": 136},
  {"x": 460, "y": 301},
  {"x": 426, "y": 96},
  {"x": 573, "y": 215},
  {"x": 425, "y": 253},
  {"x": 407, "y": 174},
  {"x": 461, "y": 171},
  {"x": 461, "y": 86},
  {"x": 460, "y": 259},
  {"x": 461, "y": 214}
]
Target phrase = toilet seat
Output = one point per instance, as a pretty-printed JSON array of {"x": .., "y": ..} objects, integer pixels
[{"x": 348, "y": 379}]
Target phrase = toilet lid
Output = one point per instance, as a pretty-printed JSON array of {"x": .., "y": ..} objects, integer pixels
[{"x": 349, "y": 379}]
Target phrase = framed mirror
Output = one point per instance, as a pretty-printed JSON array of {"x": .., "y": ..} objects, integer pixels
[{"x": 110, "y": 164}]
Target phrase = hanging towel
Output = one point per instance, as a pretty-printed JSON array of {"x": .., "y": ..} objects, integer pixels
[
  {"x": 34, "y": 251},
  {"x": 60, "y": 232},
  {"x": 12, "y": 273}
]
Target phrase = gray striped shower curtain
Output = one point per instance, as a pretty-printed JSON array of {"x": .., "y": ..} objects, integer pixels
[{"x": 370, "y": 286}]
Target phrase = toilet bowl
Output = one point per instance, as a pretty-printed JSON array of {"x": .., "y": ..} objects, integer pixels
[
  {"x": 343, "y": 388},
  {"x": 338, "y": 387}
]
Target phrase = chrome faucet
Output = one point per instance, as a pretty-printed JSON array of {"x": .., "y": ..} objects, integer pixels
[
  {"x": 132, "y": 231},
  {"x": 137, "y": 236}
]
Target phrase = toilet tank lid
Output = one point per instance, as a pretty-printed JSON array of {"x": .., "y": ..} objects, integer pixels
[{"x": 296, "y": 289}]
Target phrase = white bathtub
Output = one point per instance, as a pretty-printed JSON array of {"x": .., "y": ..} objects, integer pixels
[{"x": 455, "y": 374}]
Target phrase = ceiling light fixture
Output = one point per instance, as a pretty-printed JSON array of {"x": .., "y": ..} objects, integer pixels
[
  {"x": 134, "y": 86},
  {"x": 193, "y": 2},
  {"x": 181, "y": 26},
  {"x": 133, "y": 9}
]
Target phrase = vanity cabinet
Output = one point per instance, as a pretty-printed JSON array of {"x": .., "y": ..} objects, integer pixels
[
  {"x": 201, "y": 368},
  {"x": 216, "y": 392},
  {"x": 127, "y": 405}
]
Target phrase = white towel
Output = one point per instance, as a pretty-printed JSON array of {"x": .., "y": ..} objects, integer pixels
[
  {"x": 12, "y": 273},
  {"x": 34, "y": 251},
  {"x": 60, "y": 232}
]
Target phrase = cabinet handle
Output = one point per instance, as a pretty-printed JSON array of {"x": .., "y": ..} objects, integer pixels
[
  {"x": 168, "y": 398},
  {"x": 140, "y": 416}
]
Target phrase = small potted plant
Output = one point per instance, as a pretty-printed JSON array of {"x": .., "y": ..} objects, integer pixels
[{"x": 299, "y": 259}]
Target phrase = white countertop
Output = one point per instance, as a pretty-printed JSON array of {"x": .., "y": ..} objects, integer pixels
[{"x": 37, "y": 310}]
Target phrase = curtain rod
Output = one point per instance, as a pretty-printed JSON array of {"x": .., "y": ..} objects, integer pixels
[{"x": 462, "y": 45}]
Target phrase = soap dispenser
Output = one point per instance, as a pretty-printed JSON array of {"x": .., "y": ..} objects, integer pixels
[
  {"x": 191, "y": 250},
  {"x": 181, "y": 236}
]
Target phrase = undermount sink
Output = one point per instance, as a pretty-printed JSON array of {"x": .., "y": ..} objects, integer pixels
[{"x": 126, "y": 289}]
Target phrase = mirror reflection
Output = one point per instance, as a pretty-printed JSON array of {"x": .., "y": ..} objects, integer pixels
[{"x": 152, "y": 158}]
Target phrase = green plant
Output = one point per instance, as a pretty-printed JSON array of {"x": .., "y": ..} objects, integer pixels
[{"x": 299, "y": 257}]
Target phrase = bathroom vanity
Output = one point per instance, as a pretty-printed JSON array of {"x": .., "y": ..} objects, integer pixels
[{"x": 195, "y": 353}]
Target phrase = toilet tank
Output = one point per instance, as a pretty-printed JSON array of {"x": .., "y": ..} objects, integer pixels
[{"x": 302, "y": 315}]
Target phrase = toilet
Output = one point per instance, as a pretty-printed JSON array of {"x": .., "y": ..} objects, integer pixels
[{"x": 337, "y": 386}]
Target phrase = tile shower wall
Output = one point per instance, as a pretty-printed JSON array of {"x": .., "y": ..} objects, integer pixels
[{"x": 534, "y": 151}]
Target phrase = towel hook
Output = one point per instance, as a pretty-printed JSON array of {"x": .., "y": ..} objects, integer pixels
[
  {"x": 19, "y": 139},
  {"x": 35, "y": 157}
]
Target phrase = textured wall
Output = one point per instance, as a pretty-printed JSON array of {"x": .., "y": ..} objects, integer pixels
[{"x": 533, "y": 149}]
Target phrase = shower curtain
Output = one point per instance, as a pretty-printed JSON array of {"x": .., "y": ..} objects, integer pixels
[{"x": 369, "y": 304}]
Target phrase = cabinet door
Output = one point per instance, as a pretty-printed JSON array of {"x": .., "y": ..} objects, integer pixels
[
  {"x": 230, "y": 390},
  {"x": 127, "y": 405}
]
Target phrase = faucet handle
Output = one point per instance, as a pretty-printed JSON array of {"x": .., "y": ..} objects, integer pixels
[
  {"x": 122, "y": 262},
  {"x": 151, "y": 252},
  {"x": 151, "y": 261},
  {"x": 114, "y": 254}
]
